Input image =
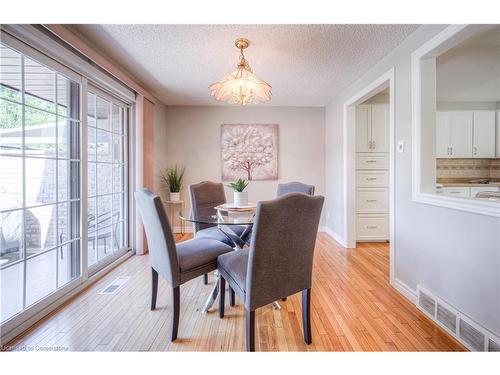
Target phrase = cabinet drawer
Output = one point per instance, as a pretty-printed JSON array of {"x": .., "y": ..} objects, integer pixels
[
  {"x": 372, "y": 227},
  {"x": 372, "y": 178},
  {"x": 371, "y": 162},
  {"x": 455, "y": 191},
  {"x": 372, "y": 200}
]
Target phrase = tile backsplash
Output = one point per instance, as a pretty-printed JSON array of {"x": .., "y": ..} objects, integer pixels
[{"x": 468, "y": 168}]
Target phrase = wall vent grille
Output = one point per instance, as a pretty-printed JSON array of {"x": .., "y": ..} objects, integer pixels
[{"x": 460, "y": 326}]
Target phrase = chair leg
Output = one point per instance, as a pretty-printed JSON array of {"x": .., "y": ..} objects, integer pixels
[
  {"x": 205, "y": 279},
  {"x": 176, "y": 294},
  {"x": 231, "y": 296},
  {"x": 222, "y": 295},
  {"x": 306, "y": 315},
  {"x": 250, "y": 315},
  {"x": 154, "y": 287}
]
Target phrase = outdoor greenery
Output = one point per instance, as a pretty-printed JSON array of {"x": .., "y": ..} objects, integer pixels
[
  {"x": 172, "y": 177},
  {"x": 239, "y": 185},
  {"x": 11, "y": 114}
]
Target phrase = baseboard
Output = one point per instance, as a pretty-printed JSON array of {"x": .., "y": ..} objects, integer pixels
[
  {"x": 405, "y": 290},
  {"x": 337, "y": 237}
]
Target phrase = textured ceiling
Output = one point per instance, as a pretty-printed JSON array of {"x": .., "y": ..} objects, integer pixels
[{"x": 307, "y": 65}]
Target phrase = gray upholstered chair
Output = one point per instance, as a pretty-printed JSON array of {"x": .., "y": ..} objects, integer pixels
[
  {"x": 294, "y": 187},
  {"x": 279, "y": 261},
  {"x": 176, "y": 263}
]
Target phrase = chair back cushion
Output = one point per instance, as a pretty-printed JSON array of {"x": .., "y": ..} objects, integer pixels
[
  {"x": 161, "y": 243},
  {"x": 294, "y": 187},
  {"x": 204, "y": 197},
  {"x": 282, "y": 248}
]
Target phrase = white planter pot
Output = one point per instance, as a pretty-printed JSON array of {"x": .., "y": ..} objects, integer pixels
[
  {"x": 241, "y": 198},
  {"x": 175, "y": 197}
]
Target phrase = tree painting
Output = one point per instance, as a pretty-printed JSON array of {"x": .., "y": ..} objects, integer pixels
[{"x": 249, "y": 151}]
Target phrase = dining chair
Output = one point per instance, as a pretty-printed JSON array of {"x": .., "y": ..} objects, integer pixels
[
  {"x": 279, "y": 261},
  {"x": 176, "y": 263},
  {"x": 204, "y": 197},
  {"x": 294, "y": 187}
]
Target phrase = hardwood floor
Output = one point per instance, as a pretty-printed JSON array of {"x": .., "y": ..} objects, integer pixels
[{"x": 353, "y": 309}]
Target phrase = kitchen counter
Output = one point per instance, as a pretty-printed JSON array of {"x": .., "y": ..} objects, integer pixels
[{"x": 465, "y": 184}]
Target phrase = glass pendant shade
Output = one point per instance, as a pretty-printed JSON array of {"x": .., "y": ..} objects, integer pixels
[{"x": 241, "y": 86}]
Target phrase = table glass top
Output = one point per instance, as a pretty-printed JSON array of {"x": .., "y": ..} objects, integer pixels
[{"x": 220, "y": 218}]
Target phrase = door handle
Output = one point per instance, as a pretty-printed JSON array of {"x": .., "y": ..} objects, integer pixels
[
  {"x": 371, "y": 200},
  {"x": 371, "y": 161},
  {"x": 371, "y": 178},
  {"x": 373, "y": 145},
  {"x": 371, "y": 226},
  {"x": 475, "y": 150}
]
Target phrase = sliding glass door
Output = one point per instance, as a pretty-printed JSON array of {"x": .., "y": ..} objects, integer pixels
[
  {"x": 107, "y": 178},
  {"x": 50, "y": 120},
  {"x": 40, "y": 244}
]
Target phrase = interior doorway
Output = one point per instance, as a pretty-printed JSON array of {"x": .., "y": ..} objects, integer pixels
[{"x": 369, "y": 153}]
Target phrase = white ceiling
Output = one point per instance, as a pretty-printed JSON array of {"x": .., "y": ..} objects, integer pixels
[
  {"x": 307, "y": 65},
  {"x": 470, "y": 72}
]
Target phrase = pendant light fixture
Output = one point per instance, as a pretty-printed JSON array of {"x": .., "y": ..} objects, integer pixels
[{"x": 241, "y": 86}]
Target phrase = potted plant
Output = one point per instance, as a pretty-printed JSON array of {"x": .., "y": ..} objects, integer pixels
[
  {"x": 172, "y": 177},
  {"x": 240, "y": 196}
]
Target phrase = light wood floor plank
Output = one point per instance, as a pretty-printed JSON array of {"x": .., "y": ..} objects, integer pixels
[{"x": 353, "y": 307}]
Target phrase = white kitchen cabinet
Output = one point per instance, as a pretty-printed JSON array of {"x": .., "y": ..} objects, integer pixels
[
  {"x": 455, "y": 191},
  {"x": 443, "y": 135},
  {"x": 372, "y": 128},
  {"x": 461, "y": 134},
  {"x": 465, "y": 134},
  {"x": 483, "y": 134}
]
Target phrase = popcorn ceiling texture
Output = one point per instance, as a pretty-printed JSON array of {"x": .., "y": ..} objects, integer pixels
[
  {"x": 468, "y": 168},
  {"x": 307, "y": 65}
]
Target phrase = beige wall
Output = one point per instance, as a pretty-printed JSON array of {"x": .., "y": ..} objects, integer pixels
[{"x": 190, "y": 136}]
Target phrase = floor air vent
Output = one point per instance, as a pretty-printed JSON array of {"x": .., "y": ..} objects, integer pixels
[
  {"x": 464, "y": 329},
  {"x": 115, "y": 286}
]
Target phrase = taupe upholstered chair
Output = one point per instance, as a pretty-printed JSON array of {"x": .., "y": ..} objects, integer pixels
[
  {"x": 294, "y": 187},
  {"x": 176, "y": 263},
  {"x": 280, "y": 259},
  {"x": 204, "y": 197}
]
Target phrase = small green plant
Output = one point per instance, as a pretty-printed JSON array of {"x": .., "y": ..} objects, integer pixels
[
  {"x": 172, "y": 177},
  {"x": 239, "y": 185}
]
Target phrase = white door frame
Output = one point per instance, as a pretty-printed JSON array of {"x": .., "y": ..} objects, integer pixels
[{"x": 385, "y": 80}]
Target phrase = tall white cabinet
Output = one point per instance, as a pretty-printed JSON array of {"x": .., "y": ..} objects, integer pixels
[{"x": 372, "y": 172}]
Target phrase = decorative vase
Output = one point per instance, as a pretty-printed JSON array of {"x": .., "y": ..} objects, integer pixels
[
  {"x": 175, "y": 197},
  {"x": 241, "y": 198}
]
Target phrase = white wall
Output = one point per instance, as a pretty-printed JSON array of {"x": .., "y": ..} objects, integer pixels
[
  {"x": 453, "y": 253},
  {"x": 190, "y": 136}
]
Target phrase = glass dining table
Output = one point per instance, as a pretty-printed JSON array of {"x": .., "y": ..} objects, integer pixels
[{"x": 226, "y": 217}]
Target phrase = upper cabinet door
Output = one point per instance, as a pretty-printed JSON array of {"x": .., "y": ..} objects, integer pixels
[
  {"x": 461, "y": 134},
  {"x": 363, "y": 125},
  {"x": 442, "y": 134},
  {"x": 380, "y": 128},
  {"x": 484, "y": 134}
]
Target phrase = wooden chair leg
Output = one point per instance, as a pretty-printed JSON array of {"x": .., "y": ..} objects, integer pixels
[
  {"x": 176, "y": 294},
  {"x": 250, "y": 315},
  {"x": 222, "y": 295},
  {"x": 306, "y": 315},
  {"x": 205, "y": 279},
  {"x": 231, "y": 297},
  {"x": 154, "y": 288}
]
